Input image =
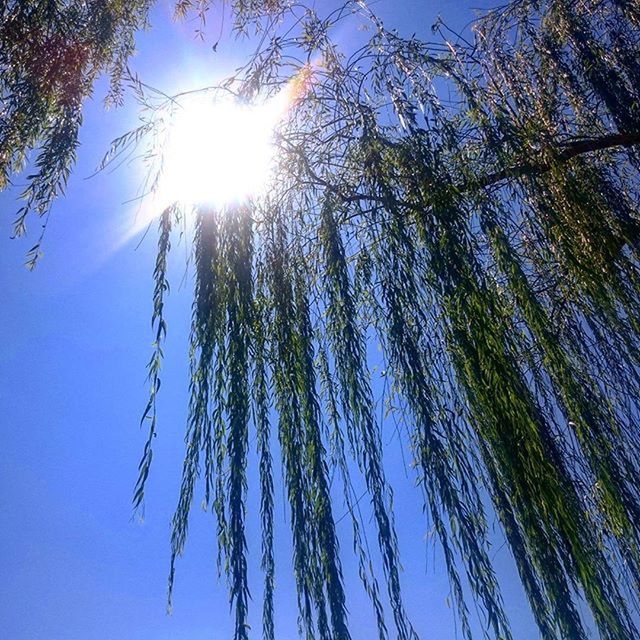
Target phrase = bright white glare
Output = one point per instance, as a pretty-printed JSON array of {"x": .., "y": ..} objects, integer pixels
[{"x": 217, "y": 153}]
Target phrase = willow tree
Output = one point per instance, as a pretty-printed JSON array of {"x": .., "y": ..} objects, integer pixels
[{"x": 472, "y": 205}]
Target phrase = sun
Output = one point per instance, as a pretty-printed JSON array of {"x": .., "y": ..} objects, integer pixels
[
  {"x": 213, "y": 152},
  {"x": 217, "y": 153}
]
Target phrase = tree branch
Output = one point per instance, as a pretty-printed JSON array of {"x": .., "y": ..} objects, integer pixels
[{"x": 567, "y": 153}]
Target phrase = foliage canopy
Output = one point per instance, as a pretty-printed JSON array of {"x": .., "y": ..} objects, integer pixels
[{"x": 471, "y": 205}]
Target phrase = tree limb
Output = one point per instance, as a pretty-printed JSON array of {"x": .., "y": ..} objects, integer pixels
[{"x": 568, "y": 152}]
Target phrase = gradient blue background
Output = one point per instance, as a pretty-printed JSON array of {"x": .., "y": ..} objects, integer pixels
[{"x": 74, "y": 342}]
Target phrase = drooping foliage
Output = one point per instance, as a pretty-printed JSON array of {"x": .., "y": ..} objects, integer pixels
[
  {"x": 472, "y": 206},
  {"x": 51, "y": 54}
]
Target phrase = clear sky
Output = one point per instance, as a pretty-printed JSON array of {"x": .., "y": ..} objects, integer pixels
[{"x": 74, "y": 342}]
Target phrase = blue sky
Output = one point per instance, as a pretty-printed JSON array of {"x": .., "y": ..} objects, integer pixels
[{"x": 74, "y": 342}]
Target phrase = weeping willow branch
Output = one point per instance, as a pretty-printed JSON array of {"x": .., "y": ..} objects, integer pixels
[{"x": 567, "y": 151}]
